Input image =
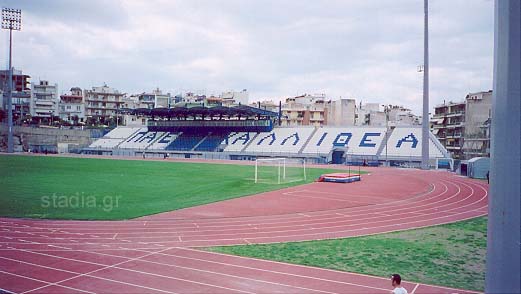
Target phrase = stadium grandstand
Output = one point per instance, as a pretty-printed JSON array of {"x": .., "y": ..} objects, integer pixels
[{"x": 248, "y": 133}]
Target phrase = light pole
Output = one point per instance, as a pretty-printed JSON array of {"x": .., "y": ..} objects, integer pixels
[
  {"x": 386, "y": 110},
  {"x": 425, "y": 117},
  {"x": 11, "y": 20}
]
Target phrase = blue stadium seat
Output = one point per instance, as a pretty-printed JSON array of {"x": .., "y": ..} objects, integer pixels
[
  {"x": 211, "y": 142},
  {"x": 186, "y": 141}
]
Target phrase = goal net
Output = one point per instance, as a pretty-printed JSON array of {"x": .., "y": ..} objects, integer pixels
[{"x": 280, "y": 170}]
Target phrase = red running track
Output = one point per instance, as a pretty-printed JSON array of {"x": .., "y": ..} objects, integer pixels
[{"x": 157, "y": 254}]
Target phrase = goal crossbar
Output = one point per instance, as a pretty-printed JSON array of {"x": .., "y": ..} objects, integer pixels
[{"x": 280, "y": 164}]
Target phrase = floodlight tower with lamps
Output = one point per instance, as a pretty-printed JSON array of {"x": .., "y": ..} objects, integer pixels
[{"x": 11, "y": 20}]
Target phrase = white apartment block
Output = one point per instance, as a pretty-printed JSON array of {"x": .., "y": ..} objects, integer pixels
[
  {"x": 371, "y": 114},
  {"x": 44, "y": 100},
  {"x": 155, "y": 99},
  {"x": 233, "y": 97},
  {"x": 102, "y": 102},
  {"x": 72, "y": 107}
]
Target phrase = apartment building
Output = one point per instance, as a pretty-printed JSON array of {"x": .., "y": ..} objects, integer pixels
[
  {"x": 155, "y": 99},
  {"x": 305, "y": 110},
  {"x": 21, "y": 93},
  {"x": 102, "y": 102},
  {"x": 234, "y": 97},
  {"x": 374, "y": 114},
  {"x": 44, "y": 100},
  {"x": 341, "y": 112},
  {"x": 464, "y": 127},
  {"x": 71, "y": 106}
]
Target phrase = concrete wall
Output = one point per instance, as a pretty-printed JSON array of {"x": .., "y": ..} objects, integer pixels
[{"x": 29, "y": 138}]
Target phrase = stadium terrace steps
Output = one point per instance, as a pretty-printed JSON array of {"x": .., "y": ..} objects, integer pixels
[
  {"x": 251, "y": 141},
  {"x": 281, "y": 140},
  {"x": 402, "y": 142},
  {"x": 114, "y": 138},
  {"x": 307, "y": 141},
  {"x": 238, "y": 141},
  {"x": 405, "y": 142},
  {"x": 211, "y": 142},
  {"x": 141, "y": 140},
  {"x": 136, "y": 130},
  {"x": 438, "y": 145},
  {"x": 357, "y": 140},
  {"x": 385, "y": 142},
  {"x": 122, "y": 132},
  {"x": 199, "y": 143},
  {"x": 185, "y": 142},
  {"x": 162, "y": 142},
  {"x": 105, "y": 143}
]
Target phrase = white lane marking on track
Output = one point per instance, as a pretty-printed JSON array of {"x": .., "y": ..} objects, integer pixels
[
  {"x": 89, "y": 274},
  {"x": 200, "y": 270},
  {"x": 292, "y": 265},
  {"x": 94, "y": 271},
  {"x": 415, "y": 287},
  {"x": 61, "y": 247},
  {"x": 278, "y": 217},
  {"x": 407, "y": 202},
  {"x": 451, "y": 203},
  {"x": 41, "y": 281}
]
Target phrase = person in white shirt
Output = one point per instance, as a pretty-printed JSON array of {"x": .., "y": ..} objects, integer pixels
[{"x": 396, "y": 281}]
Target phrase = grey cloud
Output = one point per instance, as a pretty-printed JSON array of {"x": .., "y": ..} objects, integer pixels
[
  {"x": 368, "y": 49},
  {"x": 102, "y": 13}
]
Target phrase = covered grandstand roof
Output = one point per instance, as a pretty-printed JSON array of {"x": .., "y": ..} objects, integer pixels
[{"x": 200, "y": 110}]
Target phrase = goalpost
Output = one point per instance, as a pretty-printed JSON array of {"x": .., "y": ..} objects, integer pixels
[{"x": 280, "y": 170}]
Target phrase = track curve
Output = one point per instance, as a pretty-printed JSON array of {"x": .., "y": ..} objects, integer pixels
[
  {"x": 342, "y": 211},
  {"x": 450, "y": 198}
]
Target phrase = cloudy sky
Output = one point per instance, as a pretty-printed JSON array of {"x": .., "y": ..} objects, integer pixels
[{"x": 363, "y": 49}]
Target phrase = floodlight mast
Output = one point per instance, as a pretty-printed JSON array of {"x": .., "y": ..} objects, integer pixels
[
  {"x": 425, "y": 115},
  {"x": 11, "y": 20}
]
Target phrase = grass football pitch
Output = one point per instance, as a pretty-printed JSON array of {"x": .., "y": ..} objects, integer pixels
[
  {"x": 451, "y": 255},
  {"x": 107, "y": 189}
]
